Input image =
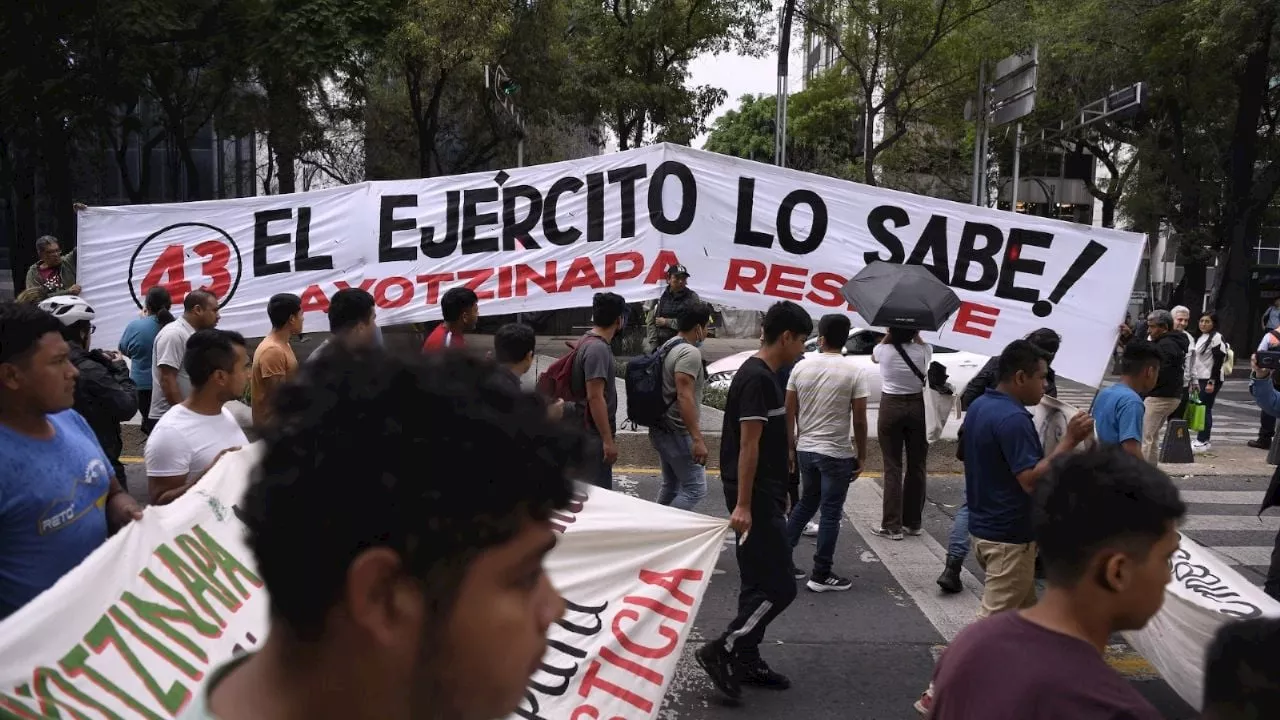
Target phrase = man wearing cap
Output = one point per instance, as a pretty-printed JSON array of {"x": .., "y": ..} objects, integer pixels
[{"x": 677, "y": 296}]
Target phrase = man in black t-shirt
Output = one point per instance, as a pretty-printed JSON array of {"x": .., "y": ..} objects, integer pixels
[{"x": 753, "y": 466}]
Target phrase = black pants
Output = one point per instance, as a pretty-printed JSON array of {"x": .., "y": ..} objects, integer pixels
[
  {"x": 764, "y": 564},
  {"x": 1267, "y": 427},
  {"x": 1272, "y": 586},
  {"x": 144, "y": 408}
]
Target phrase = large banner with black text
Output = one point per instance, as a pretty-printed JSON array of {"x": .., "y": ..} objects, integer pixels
[{"x": 549, "y": 236}]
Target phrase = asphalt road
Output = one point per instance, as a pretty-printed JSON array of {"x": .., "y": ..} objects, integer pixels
[{"x": 869, "y": 652}]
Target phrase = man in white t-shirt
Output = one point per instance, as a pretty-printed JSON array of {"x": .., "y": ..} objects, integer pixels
[
  {"x": 168, "y": 378},
  {"x": 679, "y": 441},
  {"x": 191, "y": 437},
  {"x": 826, "y": 399}
]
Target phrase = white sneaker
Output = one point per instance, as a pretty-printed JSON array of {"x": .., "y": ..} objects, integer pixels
[
  {"x": 811, "y": 529},
  {"x": 1201, "y": 447},
  {"x": 890, "y": 534}
]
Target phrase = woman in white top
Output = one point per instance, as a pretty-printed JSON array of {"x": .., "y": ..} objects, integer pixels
[
  {"x": 901, "y": 426},
  {"x": 1207, "y": 355}
]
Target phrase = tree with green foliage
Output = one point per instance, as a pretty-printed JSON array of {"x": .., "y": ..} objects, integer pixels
[
  {"x": 632, "y": 60},
  {"x": 913, "y": 61}
]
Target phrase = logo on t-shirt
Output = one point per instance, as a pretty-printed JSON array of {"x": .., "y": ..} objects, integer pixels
[{"x": 87, "y": 492}]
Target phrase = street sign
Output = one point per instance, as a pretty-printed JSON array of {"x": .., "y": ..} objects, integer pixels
[{"x": 1013, "y": 95}]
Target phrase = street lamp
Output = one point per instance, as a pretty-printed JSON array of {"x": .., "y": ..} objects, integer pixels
[
  {"x": 780, "y": 116},
  {"x": 504, "y": 89}
]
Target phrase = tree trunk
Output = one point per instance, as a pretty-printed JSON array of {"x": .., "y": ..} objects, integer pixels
[
  {"x": 1245, "y": 201},
  {"x": 23, "y": 250},
  {"x": 55, "y": 147},
  {"x": 1109, "y": 212},
  {"x": 191, "y": 174}
]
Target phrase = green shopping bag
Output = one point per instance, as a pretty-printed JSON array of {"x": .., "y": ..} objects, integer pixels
[{"x": 1194, "y": 414}]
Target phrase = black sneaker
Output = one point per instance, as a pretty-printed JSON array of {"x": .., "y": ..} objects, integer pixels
[
  {"x": 1259, "y": 444},
  {"x": 829, "y": 583},
  {"x": 798, "y": 574},
  {"x": 720, "y": 667},
  {"x": 757, "y": 673}
]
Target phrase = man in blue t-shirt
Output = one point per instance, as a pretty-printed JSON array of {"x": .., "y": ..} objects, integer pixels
[
  {"x": 59, "y": 497},
  {"x": 1003, "y": 461},
  {"x": 1118, "y": 410}
]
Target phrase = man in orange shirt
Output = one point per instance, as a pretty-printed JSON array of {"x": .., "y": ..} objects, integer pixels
[{"x": 274, "y": 361}]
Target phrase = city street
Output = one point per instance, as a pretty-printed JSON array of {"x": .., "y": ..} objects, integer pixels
[{"x": 868, "y": 653}]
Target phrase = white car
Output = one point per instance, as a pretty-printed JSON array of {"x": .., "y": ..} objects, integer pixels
[{"x": 961, "y": 366}]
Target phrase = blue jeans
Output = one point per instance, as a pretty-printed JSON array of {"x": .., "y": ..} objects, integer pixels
[
  {"x": 958, "y": 544},
  {"x": 684, "y": 482},
  {"x": 824, "y": 483}
]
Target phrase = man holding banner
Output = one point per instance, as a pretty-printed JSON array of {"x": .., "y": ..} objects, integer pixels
[{"x": 418, "y": 596}]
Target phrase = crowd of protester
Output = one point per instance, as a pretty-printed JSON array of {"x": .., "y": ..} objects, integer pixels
[{"x": 400, "y": 597}]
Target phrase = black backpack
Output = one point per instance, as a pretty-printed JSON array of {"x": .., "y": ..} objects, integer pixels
[{"x": 645, "y": 404}]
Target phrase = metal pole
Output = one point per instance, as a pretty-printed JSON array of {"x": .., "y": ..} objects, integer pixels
[
  {"x": 1017, "y": 160},
  {"x": 983, "y": 190},
  {"x": 780, "y": 116},
  {"x": 520, "y": 152},
  {"x": 979, "y": 111}
]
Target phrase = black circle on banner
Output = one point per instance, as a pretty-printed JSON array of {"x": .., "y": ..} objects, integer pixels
[{"x": 235, "y": 282}]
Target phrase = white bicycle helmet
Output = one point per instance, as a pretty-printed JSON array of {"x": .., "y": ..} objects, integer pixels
[{"x": 69, "y": 309}]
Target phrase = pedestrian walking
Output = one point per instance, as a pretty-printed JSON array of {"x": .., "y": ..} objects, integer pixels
[
  {"x": 169, "y": 380},
  {"x": 60, "y": 497},
  {"x": 105, "y": 394},
  {"x": 460, "y": 308},
  {"x": 826, "y": 405},
  {"x": 274, "y": 361},
  {"x": 1106, "y": 524},
  {"x": 594, "y": 373},
  {"x": 396, "y": 590},
  {"x": 1165, "y": 397},
  {"x": 1267, "y": 397},
  {"x": 753, "y": 467},
  {"x": 665, "y": 315},
  {"x": 353, "y": 323},
  {"x": 191, "y": 437},
  {"x": 1208, "y": 355},
  {"x": 1242, "y": 671},
  {"x": 138, "y": 342},
  {"x": 900, "y": 429},
  {"x": 678, "y": 441},
  {"x": 1118, "y": 410},
  {"x": 1003, "y": 461},
  {"x": 1048, "y": 341}
]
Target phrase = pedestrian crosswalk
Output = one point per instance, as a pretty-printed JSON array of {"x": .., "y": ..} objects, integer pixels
[
  {"x": 1234, "y": 423},
  {"x": 1227, "y": 522}
]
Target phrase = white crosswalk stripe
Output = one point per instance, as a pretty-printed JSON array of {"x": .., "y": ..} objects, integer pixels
[{"x": 1242, "y": 520}]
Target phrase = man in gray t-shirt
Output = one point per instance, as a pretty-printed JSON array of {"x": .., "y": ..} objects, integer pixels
[
  {"x": 595, "y": 380},
  {"x": 168, "y": 376},
  {"x": 679, "y": 440}
]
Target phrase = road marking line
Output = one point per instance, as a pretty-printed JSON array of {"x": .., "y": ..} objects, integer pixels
[
  {"x": 914, "y": 563},
  {"x": 1232, "y": 523},
  {"x": 1245, "y": 555},
  {"x": 132, "y": 459},
  {"x": 1222, "y": 497}
]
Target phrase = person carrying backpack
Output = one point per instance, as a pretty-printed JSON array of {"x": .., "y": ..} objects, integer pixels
[
  {"x": 585, "y": 380},
  {"x": 670, "y": 403}
]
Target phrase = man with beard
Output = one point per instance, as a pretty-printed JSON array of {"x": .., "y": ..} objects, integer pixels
[
  {"x": 666, "y": 314},
  {"x": 398, "y": 592}
]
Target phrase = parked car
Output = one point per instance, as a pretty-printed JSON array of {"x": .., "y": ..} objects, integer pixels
[{"x": 961, "y": 366}]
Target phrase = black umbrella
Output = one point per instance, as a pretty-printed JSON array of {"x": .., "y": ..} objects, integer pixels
[{"x": 905, "y": 296}]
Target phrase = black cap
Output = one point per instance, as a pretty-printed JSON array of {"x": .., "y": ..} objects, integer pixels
[{"x": 677, "y": 270}]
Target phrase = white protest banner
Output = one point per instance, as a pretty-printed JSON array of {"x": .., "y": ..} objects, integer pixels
[
  {"x": 135, "y": 630},
  {"x": 1204, "y": 594},
  {"x": 550, "y": 236}
]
